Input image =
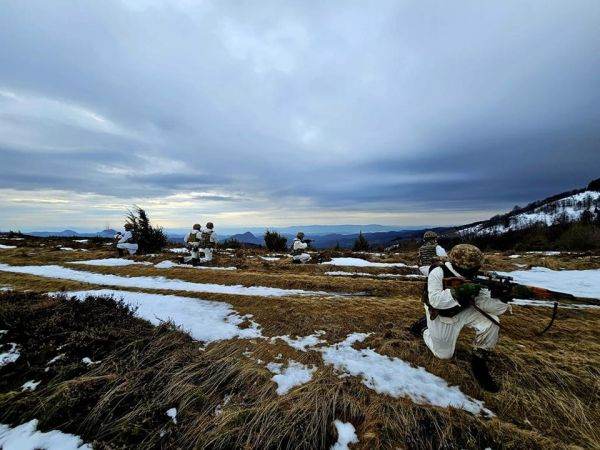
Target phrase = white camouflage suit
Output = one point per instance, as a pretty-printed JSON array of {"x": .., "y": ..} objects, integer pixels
[
  {"x": 297, "y": 247},
  {"x": 211, "y": 237},
  {"x": 194, "y": 245},
  {"x": 125, "y": 242},
  {"x": 442, "y": 332}
]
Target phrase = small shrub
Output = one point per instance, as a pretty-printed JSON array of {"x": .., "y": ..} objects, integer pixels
[{"x": 275, "y": 242}]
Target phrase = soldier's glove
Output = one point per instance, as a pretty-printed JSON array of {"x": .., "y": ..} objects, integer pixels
[{"x": 465, "y": 294}]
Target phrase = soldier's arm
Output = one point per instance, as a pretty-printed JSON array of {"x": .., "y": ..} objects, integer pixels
[{"x": 439, "y": 297}]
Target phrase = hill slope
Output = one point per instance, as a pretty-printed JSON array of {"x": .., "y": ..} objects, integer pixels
[{"x": 563, "y": 208}]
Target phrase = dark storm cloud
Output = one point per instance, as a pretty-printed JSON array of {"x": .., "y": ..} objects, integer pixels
[{"x": 395, "y": 107}]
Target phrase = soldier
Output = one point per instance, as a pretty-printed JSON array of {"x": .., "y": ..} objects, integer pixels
[
  {"x": 127, "y": 241},
  {"x": 208, "y": 242},
  {"x": 192, "y": 243},
  {"x": 449, "y": 310},
  {"x": 430, "y": 251},
  {"x": 299, "y": 256}
]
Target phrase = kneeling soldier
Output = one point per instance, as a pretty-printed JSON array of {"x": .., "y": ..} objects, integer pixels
[
  {"x": 449, "y": 310},
  {"x": 299, "y": 255}
]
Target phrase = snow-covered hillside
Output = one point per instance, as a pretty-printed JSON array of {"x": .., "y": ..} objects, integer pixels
[{"x": 566, "y": 209}]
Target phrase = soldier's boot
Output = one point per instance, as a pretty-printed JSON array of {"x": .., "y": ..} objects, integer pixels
[
  {"x": 417, "y": 328},
  {"x": 481, "y": 371}
]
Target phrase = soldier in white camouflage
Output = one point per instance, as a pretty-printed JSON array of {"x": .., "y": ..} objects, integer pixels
[
  {"x": 192, "y": 243},
  {"x": 450, "y": 309},
  {"x": 430, "y": 252}
]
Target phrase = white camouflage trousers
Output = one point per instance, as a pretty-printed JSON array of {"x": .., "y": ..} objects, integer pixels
[
  {"x": 131, "y": 248},
  {"x": 442, "y": 333},
  {"x": 208, "y": 254},
  {"x": 303, "y": 258}
]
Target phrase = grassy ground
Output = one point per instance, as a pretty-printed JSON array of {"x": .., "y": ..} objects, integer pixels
[{"x": 551, "y": 384}]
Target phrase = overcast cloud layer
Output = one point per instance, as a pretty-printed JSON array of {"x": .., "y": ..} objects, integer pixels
[{"x": 276, "y": 113}]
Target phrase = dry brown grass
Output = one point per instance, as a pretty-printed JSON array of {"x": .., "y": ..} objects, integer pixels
[{"x": 550, "y": 396}]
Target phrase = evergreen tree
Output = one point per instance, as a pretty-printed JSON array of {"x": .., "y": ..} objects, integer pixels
[
  {"x": 360, "y": 244},
  {"x": 148, "y": 238},
  {"x": 275, "y": 242}
]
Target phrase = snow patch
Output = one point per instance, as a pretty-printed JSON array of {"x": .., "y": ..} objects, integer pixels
[
  {"x": 88, "y": 361},
  {"x": 27, "y": 437},
  {"x": 179, "y": 250},
  {"x": 7, "y": 247},
  {"x": 149, "y": 282},
  {"x": 109, "y": 262},
  {"x": 346, "y": 435},
  {"x": 358, "y": 262},
  {"x": 56, "y": 358},
  {"x": 270, "y": 258},
  {"x": 10, "y": 356},
  {"x": 301, "y": 343},
  {"x": 295, "y": 374},
  {"x": 204, "y": 320},
  {"x": 81, "y": 241},
  {"x": 581, "y": 283},
  {"x": 550, "y": 304},
  {"x": 172, "y": 413},
  {"x": 376, "y": 275},
  {"x": 395, "y": 377},
  {"x": 30, "y": 385},
  {"x": 167, "y": 264},
  {"x": 550, "y": 253}
]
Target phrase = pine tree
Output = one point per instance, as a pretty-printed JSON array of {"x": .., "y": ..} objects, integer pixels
[{"x": 360, "y": 244}]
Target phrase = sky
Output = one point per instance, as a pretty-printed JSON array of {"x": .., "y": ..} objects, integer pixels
[{"x": 274, "y": 113}]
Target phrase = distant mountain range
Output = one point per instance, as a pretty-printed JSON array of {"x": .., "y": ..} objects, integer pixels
[
  {"x": 71, "y": 233},
  {"x": 565, "y": 207}
]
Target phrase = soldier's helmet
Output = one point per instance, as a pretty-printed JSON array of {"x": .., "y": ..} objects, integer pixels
[
  {"x": 300, "y": 235},
  {"x": 430, "y": 236},
  {"x": 210, "y": 225},
  {"x": 128, "y": 226},
  {"x": 196, "y": 226},
  {"x": 466, "y": 256}
]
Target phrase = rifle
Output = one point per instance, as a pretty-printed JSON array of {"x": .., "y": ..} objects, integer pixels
[{"x": 505, "y": 289}]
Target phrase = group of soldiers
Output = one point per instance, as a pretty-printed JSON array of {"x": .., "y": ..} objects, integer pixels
[
  {"x": 200, "y": 241},
  {"x": 447, "y": 309}
]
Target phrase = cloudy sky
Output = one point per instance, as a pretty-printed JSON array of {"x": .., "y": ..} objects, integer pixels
[{"x": 293, "y": 112}]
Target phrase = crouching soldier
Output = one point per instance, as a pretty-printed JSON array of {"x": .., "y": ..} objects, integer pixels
[
  {"x": 430, "y": 252},
  {"x": 299, "y": 255},
  {"x": 127, "y": 241},
  {"x": 208, "y": 242},
  {"x": 192, "y": 243},
  {"x": 449, "y": 310}
]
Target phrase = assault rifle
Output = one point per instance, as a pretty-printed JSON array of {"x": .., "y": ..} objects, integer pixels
[{"x": 505, "y": 289}]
